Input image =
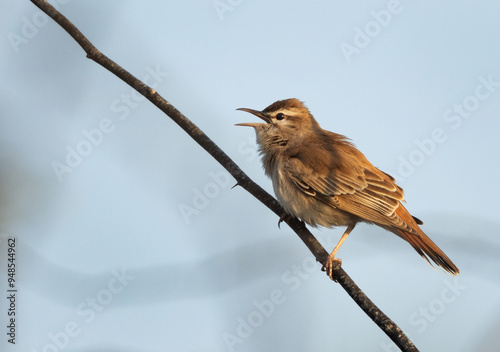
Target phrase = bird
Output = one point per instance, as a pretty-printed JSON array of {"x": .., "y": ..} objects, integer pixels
[{"x": 321, "y": 178}]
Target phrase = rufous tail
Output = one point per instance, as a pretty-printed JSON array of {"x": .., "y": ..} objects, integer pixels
[{"x": 429, "y": 251}]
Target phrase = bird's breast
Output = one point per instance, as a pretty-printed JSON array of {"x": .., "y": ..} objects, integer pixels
[{"x": 309, "y": 208}]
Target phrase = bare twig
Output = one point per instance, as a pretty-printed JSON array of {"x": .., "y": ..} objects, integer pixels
[{"x": 383, "y": 321}]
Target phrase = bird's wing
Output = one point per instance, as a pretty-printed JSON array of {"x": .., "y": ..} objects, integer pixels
[{"x": 348, "y": 181}]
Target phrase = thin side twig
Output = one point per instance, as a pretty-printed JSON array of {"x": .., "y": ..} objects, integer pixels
[{"x": 382, "y": 320}]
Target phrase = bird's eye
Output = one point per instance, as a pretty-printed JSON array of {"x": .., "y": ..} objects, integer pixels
[{"x": 280, "y": 116}]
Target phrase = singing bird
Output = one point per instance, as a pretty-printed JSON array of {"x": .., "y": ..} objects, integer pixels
[{"x": 321, "y": 178}]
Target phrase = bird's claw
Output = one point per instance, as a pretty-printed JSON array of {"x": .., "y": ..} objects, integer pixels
[
  {"x": 283, "y": 217},
  {"x": 329, "y": 264}
]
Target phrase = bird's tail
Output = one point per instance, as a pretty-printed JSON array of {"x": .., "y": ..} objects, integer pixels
[{"x": 429, "y": 250}]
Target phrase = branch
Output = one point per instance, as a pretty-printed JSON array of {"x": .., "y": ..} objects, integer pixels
[{"x": 382, "y": 320}]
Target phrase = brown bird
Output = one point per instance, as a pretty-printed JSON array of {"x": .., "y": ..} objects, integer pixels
[{"x": 321, "y": 178}]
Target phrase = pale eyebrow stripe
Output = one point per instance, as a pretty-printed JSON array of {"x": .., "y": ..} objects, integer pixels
[{"x": 287, "y": 112}]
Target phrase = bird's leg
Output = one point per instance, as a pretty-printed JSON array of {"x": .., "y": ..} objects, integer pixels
[{"x": 328, "y": 265}]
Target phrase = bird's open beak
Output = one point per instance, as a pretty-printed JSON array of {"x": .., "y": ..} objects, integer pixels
[{"x": 256, "y": 113}]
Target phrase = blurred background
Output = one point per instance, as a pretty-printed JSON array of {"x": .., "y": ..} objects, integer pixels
[{"x": 128, "y": 234}]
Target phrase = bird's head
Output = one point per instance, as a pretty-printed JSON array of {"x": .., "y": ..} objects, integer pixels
[{"x": 286, "y": 122}]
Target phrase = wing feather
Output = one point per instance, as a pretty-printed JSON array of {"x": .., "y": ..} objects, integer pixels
[{"x": 351, "y": 184}]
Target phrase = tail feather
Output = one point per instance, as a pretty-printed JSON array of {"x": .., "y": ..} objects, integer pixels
[{"x": 429, "y": 250}]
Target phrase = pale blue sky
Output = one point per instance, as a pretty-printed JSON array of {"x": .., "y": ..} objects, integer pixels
[{"x": 140, "y": 244}]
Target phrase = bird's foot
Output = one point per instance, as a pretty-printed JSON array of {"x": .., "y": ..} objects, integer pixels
[
  {"x": 330, "y": 262},
  {"x": 284, "y": 217}
]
